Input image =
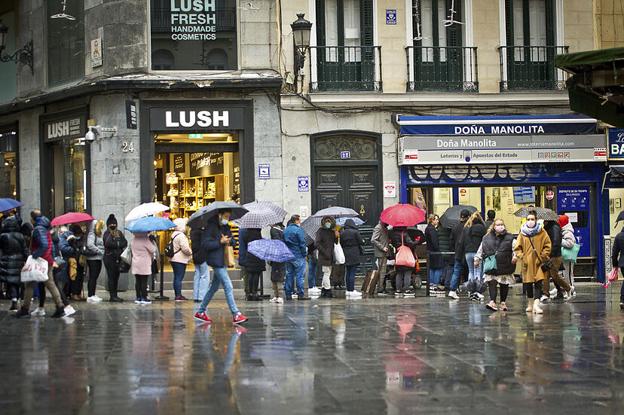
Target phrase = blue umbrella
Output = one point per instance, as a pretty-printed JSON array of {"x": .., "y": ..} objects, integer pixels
[
  {"x": 7, "y": 204},
  {"x": 150, "y": 224},
  {"x": 272, "y": 250}
]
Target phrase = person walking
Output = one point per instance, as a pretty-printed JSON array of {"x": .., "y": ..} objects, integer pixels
[
  {"x": 201, "y": 278},
  {"x": 143, "y": 250},
  {"x": 533, "y": 248},
  {"x": 617, "y": 260},
  {"x": 278, "y": 269},
  {"x": 41, "y": 247},
  {"x": 95, "y": 254},
  {"x": 568, "y": 240},
  {"x": 460, "y": 258},
  {"x": 399, "y": 236},
  {"x": 435, "y": 264},
  {"x": 562, "y": 287},
  {"x": 294, "y": 238},
  {"x": 496, "y": 254},
  {"x": 326, "y": 237},
  {"x": 114, "y": 244},
  {"x": 181, "y": 256},
  {"x": 254, "y": 266},
  {"x": 380, "y": 242},
  {"x": 13, "y": 255},
  {"x": 216, "y": 237},
  {"x": 351, "y": 243},
  {"x": 474, "y": 231}
]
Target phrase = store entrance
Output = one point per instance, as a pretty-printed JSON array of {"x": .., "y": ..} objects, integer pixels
[{"x": 69, "y": 190}]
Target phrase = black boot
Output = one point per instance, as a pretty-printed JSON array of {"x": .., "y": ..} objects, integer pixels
[
  {"x": 13, "y": 306},
  {"x": 60, "y": 312},
  {"x": 22, "y": 312},
  {"x": 329, "y": 294}
]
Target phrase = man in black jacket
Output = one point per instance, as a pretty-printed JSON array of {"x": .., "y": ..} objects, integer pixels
[{"x": 459, "y": 267}]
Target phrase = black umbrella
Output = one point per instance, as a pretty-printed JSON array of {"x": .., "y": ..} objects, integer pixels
[
  {"x": 620, "y": 217},
  {"x": 450, "y": 218},
  {"x": 201, "y": 217}
]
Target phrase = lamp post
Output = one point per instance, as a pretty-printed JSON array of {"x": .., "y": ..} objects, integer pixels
[
  {"x": 23, "y": 55},
  {"x": 301, "y": 29}
]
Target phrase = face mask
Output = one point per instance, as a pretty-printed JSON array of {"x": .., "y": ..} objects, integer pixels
[
  {"x": 327, "y": 225},
  {"x": 531, "y": 223},
  {"x": 112, "y": 227},
  {"x": 390, "y": 227},
  {"x": 499, "y": 228},
  {"x": 224, "y": 221}
]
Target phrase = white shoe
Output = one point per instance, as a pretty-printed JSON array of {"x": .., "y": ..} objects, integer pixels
[
  {"x": 138, "y": 301},
  {"x": 314, "y": 291},
  {"x": 93, "y": 300},
  {"x": 357, "y": 293},
  {"x": 453, "y": 295},
  {"x": 98, "y": 299},
  {"x": 536, "y": 307},
  {"x": 479, "y": 296},
  {"x": 273, "y": 300},
  {"x": 544, "y": 299},
  {"x": 280, "y": 300},
  {"x": 69, "y": 310},
  {"x": 39, "y": 312},
  {"x": 572, "y": 292},
  {"x": 553, "y": 292}
]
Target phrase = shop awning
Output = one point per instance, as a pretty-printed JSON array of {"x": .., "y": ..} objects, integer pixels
[{"x": 596, "y": 87}]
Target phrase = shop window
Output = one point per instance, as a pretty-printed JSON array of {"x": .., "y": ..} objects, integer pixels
[
  {"x": 70, "y": 177},
  {"x": 8, "y": 164},
  {"x": 8, "y": 70},
  {"x": 198, "y": 35},
  {"x": 616, "y": 198},
  {"x": 65, "y": 41}
]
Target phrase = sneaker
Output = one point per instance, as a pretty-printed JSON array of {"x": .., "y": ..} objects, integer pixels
[
  {"x": 202, "y": 317},
  {"x": 491, "y": 306},
  {"x": 273, "y": 300},
  {"x": 572, "y": 292},
  {"x": 39, "y": 312},
  {"x": 503, "y": 307},
  {"x": 22, "y": 312},
  {"x": 93, "y": 300},
  {"x": 98, "y": 299},
  {"x": 553, "y": 292},
  {"x": 69, "y": 310},
  {"x": 179, "y": 298},
  {"x": 280, "y": 300},
  {"x": 116, "y": 300},
  {"x": 60, "y": 312},
  {"x": 14, "y": 306},
  {"x": 480, "y": 296},
  {"x": 544, "y": 299},
  {"x": 314, "y": 291},
  {"x": 536, "y": 307},
  {"x": 453, "y": 295},
  {"x": 138, "y": 301},
  {"x": 146, "y": 301},
  {"x": 239, "y": 318}
]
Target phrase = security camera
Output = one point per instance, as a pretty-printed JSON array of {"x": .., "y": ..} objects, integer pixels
[{"x": 90, "y": 135}]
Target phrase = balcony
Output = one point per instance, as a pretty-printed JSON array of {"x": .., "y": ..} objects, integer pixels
[
  {"x": 442, "y": 68},
  {"x": 345, "y": 68},
  {"x": 531, "y": 68}
]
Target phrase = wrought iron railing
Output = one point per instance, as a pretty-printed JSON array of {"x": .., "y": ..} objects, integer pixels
[
  {"x": 345, "y": 68},
  {"x": 531, "y": 68},
  {"x": 442, "y": 68}
]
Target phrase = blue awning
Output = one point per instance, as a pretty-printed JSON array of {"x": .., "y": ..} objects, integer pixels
[{"x": 496, "y": 124}]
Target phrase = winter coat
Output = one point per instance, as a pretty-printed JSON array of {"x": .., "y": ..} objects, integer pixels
[
  {"x": 113, "y": 247},
  {"x": 554, "y": 233},
  {"x": 294, "y": 238},
  {"x": 181, "y": 247},
  {"x": 617, "y": 252},
  {"x": 398, "y": 237},
  {"x": 199, "y": 254},
  {"x": 456, "y": 240},
  {"x": 211, "y": 242},
  {"x": 568, "y": 240},
  {"x": 436, "y": 261},
  {"x": 41, "y": 241},
  {"x": 325, "y": 240},
  {"x": 71, "y": 246},
  {"x": 531, "y": 258},
  {"x": 278, "y": 269},
  {"x": 380, "y": 240},
  {"x": 13, "y": 251},
  {"x": 351, "y": 243},
  {"x": 472, "y": 237},
  {"x": 251, "y": 262},
  {"x": 95, "y": 245},
  {"x": 501, "y": 246},
  {"x": 143, "y": 250}
]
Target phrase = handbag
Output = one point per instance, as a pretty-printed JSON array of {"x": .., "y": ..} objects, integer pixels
[
  {"x": 339, "y": 256},
  {"x": 570, "y": 254},
  {"x": 34, "y": 270},
  {"x": 489, "y": 264},
  {"x": 228, "y": 257},
  {"x": 545, "y": 266},
  {"x": 126, "y": 255},
  {"x": 405, "y": 256}
]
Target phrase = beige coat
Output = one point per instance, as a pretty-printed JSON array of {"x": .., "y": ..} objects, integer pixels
[{"x": 533, "y": 258}]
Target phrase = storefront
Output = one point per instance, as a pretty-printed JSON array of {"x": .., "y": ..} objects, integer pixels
[
  {"x": 504, "y": 163},
  {"x": 9, "y": 166},
  {"x": 65, "y": 163},
  {"x": 614, "y": 186}
]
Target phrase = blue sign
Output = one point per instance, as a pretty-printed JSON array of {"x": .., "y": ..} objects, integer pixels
[
  {"x": 615, "y": 137},
  {"x": 264, "y": 171},
  {"x": 524, "y": 194},
  {"x": 303, "y": 183},
  {"x": 345, "y": 155},
  {"x": 391, "y": 16},
  {"x": 496, "y": 125},
  {"x": 574, "y": 202}
]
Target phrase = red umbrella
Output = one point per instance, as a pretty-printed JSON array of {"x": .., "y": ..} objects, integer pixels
[
  {"x": 402, "y": 215},
  {"x": 71, "y": 217}
]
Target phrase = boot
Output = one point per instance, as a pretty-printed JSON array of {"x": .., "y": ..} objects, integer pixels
[
  {"x": 60, "y": 312},
  {"x": 529, "y": 308},
  {"x": 329, "y": 294},
  {"x": 22, "y": 312}
]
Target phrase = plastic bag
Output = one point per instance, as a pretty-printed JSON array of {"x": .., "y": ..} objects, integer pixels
[
  {"x": 34, "y": 270},
  {"x": 405, "y": 257},
  {"x": 339, "y": 256},
  {"x": 126, "y": 256},
  {"x": 612, "y": 276}
]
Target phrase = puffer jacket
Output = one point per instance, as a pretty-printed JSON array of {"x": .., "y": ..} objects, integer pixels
[
  {"x": 501, "y": 246},
  {"x": 95, "y": 244},
  {"x": 13, "y": 251},
  {"x": 351, "y": 243},
  {"x": 41, "y": 241},
  {"x": 181, "y": 247},
  {"x": 567, "y": 236},
  {"x": 325, "y": 240},
  {"x": 251, "y": 262}
]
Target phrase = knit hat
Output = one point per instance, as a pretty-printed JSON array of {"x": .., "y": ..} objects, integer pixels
[
  {"x": 465, "y": 213},
  {"x": 112, "y": 220},
  {"x": 563, "y": 220}
]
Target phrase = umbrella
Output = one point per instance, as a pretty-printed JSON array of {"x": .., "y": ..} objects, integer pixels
[
  {"x": 265, "y": 205},
  {"x": 7, "y": 204},
  {"x": 272, "y": 250},
  {"x": 402, "y": 215},
  {"x": 150, "y": 224},
  {"x": 310, "y": 226},
  {"x": 341, "y": 221},
  {"x": 336, "y": 212},
  {"x": 200, "y": 218},
  {"x": 450, "y": 218},
  {"x": 146, "y": 209},
  {"x": 71, "y": 217},
  {"x": 258, "y": 219},
  {"x": 542, "y": 213},
  {"x": 620, "y": 217}
]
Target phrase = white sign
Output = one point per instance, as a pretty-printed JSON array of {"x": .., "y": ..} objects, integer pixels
[
  {"x": 197, "y": 119},
  {"x": 96, "y": 52},
  {"x": 389, "y": 189},
  {"x": 264, "y": 171},
  {"x": 193, "y": 19},
  {"x": 573, "y": 216}
]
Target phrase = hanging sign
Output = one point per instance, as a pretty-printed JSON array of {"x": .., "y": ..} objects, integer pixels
[
  {"x": 615, "y": 136},
  {"x": 131, "y": 115},
  {"x": 96, "y": 52}
]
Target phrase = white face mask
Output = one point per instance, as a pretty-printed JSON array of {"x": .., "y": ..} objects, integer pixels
[
  {"x": 531, "y": 223},
  {"x": 390, "y": 227},
  {"x": 224, "y": 221},
  {"x": 499, "y": 228},
  {"x": 328, "y": 225}
]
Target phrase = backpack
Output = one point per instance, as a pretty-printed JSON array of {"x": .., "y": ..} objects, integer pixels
[{"x": 169, "y": 249}]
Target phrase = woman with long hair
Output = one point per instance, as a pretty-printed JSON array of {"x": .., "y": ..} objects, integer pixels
[
  {"x": 114, "y": 244},
  {"x": 474, "y": 231},
  {"x": 436, "y": 261}
]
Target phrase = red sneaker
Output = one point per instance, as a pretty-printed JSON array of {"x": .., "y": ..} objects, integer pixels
[
  {"x": 239, "y": 318},
  {"x": 203, "y": 317}
]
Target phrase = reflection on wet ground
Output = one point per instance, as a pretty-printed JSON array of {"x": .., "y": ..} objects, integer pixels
[{"x": 327, "y": 357}]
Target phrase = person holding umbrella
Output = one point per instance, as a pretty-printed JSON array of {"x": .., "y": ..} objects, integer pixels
[
  {"x": 294, "y": 238},
  {"x": 326, "y": 237},
  {"x": 143, "y": 251},
  {"x": 278, "y": 269},
  {"x": 254, "y": 266}
]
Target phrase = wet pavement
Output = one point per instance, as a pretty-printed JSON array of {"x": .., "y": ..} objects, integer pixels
[{"x": 395, "y": 356}]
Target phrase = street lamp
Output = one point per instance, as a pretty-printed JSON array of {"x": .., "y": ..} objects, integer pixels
[
  {"x": 23, "y": 55},
  {"x": 301, "y": 29}
]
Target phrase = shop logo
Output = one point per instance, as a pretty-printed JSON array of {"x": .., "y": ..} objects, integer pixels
[
  {"x": 190, "y": 119},
  {"x": 64, "y": 128}
]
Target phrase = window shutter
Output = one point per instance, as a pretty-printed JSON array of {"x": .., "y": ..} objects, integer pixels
[
  {"x": 366, "y": 13},
  {"x": 551, "y": 23},
  {"x": 320, "y": 22},
  {"x": 509, "y": 13}
]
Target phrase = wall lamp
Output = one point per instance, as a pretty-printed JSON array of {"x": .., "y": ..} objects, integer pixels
[
  {"x": 23, "y": 55},
  {"x": 301, "y": 29}
]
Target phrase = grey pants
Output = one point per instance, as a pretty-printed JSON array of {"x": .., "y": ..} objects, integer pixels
[
  {"x": 404, "y": 280},
  {"x": 29, "y": 287}
]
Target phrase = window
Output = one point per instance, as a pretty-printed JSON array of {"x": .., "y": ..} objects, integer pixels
[
  {"x": 8, "y": 70},
  {"x": 8, "y": 163},
  {"x": 65, "y": 41},
  {"x": 194, "y": 35},
  {"x": 530, "y": 23}
]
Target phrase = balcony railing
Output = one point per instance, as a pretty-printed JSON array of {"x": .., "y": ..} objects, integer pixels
[
  {"x": 531, "y": 68},
  {"x": 442, "y": 68},
  {"x": 345, "y": 68}
]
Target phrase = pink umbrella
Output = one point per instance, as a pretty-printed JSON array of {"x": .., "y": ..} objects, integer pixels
[
  {"x": 71, "y": 217},
  {"x": 402, "y": 215}
]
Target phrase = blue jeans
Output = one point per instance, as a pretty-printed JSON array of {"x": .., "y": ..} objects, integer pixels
[
  {"x": 312, "y": 267},
  {"x": 435, "y": 274},
  {"x": 220, "y": 276},
  {"x": 350, "y": 276},
  {"x": 201, "y": 281},
  {"x": 295, "y": 271},
  {"x": 179, "y": 269},
  {"x": 458, "y": 267},
  {"x": 474, "y": 273}
]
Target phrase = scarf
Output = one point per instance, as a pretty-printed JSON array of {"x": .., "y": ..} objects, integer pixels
[{"x": 530, "y": 232}]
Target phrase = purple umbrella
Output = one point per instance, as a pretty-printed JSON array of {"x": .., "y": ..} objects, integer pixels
[{"x": 272, "y": 250}]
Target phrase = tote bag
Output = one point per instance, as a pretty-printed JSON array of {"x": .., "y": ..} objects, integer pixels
[
  {"x": 405, "y": 257},
  {"x": 339, "y": 256},
  {"x": 570, "y": 254},
  {"x": 126, "y": 256},
  {"x": 34, "y": 270}
]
